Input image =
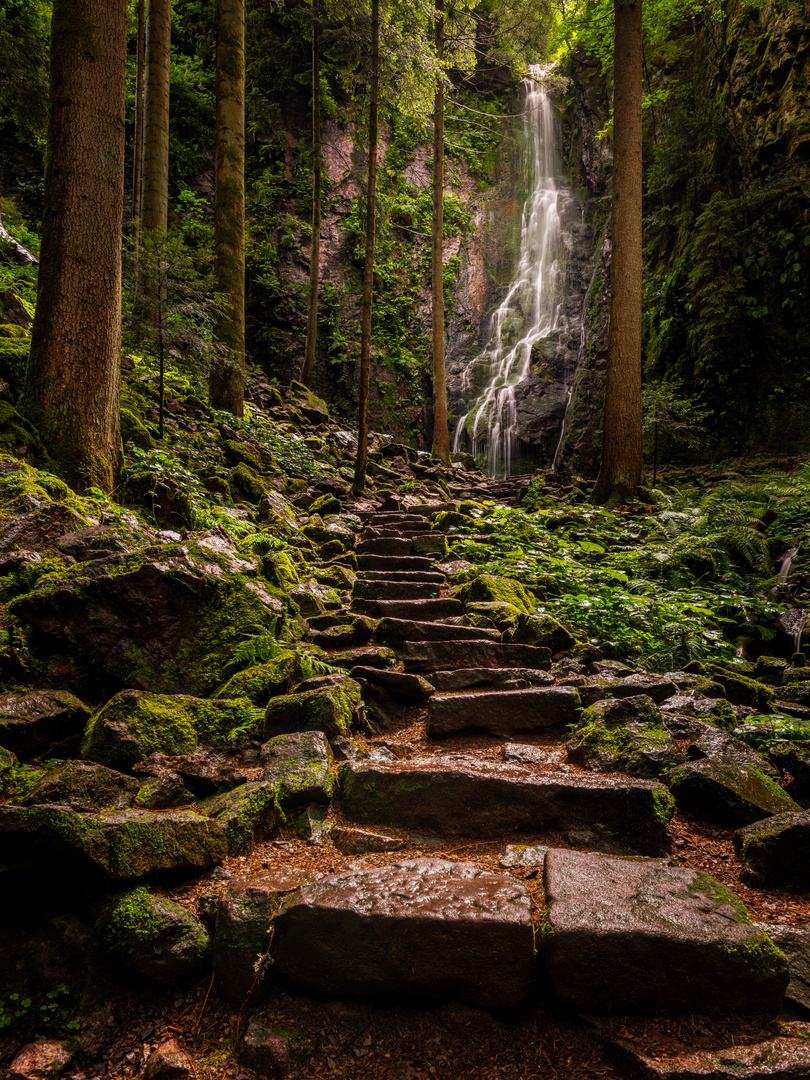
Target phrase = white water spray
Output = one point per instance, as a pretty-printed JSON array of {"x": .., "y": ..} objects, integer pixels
[{"x": 531, "y": 308}]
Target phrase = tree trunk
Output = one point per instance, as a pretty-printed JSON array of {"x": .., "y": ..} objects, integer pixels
[
  {"x": 368, "y": 265},
  {"x": 620, "y": 474},
  {"x": 155, "y": 192},
  {"x": 227, "y": 384},
  {"x": 137, "y": 139},
  {"x": 441, "y": 434},
  {"x": 72, "y": 385},
  {"x": 315, "y": 254}
]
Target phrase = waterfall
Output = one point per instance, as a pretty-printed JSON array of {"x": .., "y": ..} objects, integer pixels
[{"x": 532, "y": 306}]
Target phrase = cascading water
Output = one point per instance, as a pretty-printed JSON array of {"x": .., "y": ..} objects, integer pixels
[{"x": 532, "y": 306}]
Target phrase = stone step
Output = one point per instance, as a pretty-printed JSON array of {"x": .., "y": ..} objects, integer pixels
[
  {"x": 642, "y": 936},
  {"x": 428, "y": 610},
  {"x": 466, "y": 678},
  {"x": 434, "y": 577},
  {"x": 389, "y": 518},
  {"x": 424, "y": 928},
  {"x": 396, "y": 683},
  {"x": 503, "y": 712},
  {"x": 395, "y": 590},
  {"x": 486, "y": 799},
  {"x": 388, "y": 563},
  {"x": 384, "y": 545},
  {"x": 477, "y": 650},
  {"x": 396, "y": 632},
  {"x": 372, "y": 532},
  {"x": 334, "y": 618}
]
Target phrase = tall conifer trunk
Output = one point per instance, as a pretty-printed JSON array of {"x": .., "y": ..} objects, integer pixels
[
  {"x": 137, "y": 140},
  {"x": 227, "y": 384},
  {"x": 72, "y": 385},
  {"x": 155, "y": 192},
  {"x": 368, "y": 264},
  {"x": 315, "y": 253},
  {"x": 620, "y": 473},
  {"x": 441, "y": 434}
]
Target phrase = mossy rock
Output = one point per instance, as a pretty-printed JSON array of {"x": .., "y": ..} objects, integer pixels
[
  {"x": 488, "y": 588},
  {"x": 280, "y": 571},
  {"x": 135, "y": 724},
  {"x": 337, "y": 577},
  {"x": 239, "y": 453},
  {"x": 452, "y": 520},
  {"x": 331, "y": 709},
  {"x": 84, "y": 785},
  {"x": 13, "y": 362},
  {"x": 430, "y": 544},
  {"x": 18, "y": 437},
  {"x": 134, "y": 431},
  {"x": 543, "y": 630},
  {"x": 326, "y": 505},
  {"x": 740, "y": 690},
  {"x": 248, "y": 815},
  {"x": 155, "y": 938},
  {"x": 503, "y": 615},
  {"x": 300, "y": 767},
  {"x": 7, "y": 762},
  {"x": 265, "y": 681},
  {"x": 624, "y": 735},
  {"x": 243, "y": 481}
]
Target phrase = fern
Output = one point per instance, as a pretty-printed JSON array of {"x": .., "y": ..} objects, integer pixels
[{"x": 258, "y": 649}]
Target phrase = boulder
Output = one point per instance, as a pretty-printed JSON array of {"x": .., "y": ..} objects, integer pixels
[
  {"x": 397, "y": 684},
  {"x": 135, "y": 724},
  {"x": 156, "y": 938},
  {"x": 272, "y": 1052},
  {"x": 504, "y": 711},
  {"x": 794, "y": 941},
  {"x": 84, "y": 785},
  {"x": 487, "y": 587},
  {"x": 169, "y": 1062},
  {"x": 624, "y": 735},
  {"x": 794, "y": 759},
  {"x": 423, "y": 927},
  {"x": 242, "y": 930},
  {"x": 641, "y": 936},
  {"x": 359, "y": 842},
  {"x": 299, "y": 766},
  {"x": 332, "y": 709},
  {"x": 722, "y": 790},
  {"x": 458, "y": 797},
  {"x": 542, "y": 630},
  {"x": 715, "y": 743},
  {"x": 38, "y": 722},
  {"x": 40, "y": 1060},
  {"x": 776, "y": 852},
  {"x": 248, "y": 815},
  {"x": 264, "y": 681},
  {"x": 204, "y": 773},
  {"x": 780, "y": 1058},
  {"x": 653, "y": 686}
]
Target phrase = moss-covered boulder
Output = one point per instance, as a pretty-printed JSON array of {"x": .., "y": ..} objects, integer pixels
[
  {"x": 246, "y": 485},
  {"x": 721, "y": 789},
  {"x": 430, "y": 544},
  {"x": 123, "y": 845},
  {"x": 326, "y": 505},
  {"x": 248, "y": 815},
  {"x": 134, "y": 431},
  {"x": 7, "y": 762},
  {"x": 331, "y": 709},
  {"x": 37, "y": 722},
  {"x": 488, "y": 588},
  {"x": 280, "y": 570},
  {"x": 502, "y": 615},
  {"x": 84, "y": 785},
  {"x": 741, "y": 690},
  {"x": 543, "y": 630},
  {"x": 624, "y": 735},
  {"x": 165, "y": 619},
  {"x": 155, "y": 938},
  {"x": 300, "y": 768},
  {"x": 264, "y": 681},
  {"x": 135, "y": 724},
  {"x": 314, "y": 599},
  {"x": 775, "y": 853}
]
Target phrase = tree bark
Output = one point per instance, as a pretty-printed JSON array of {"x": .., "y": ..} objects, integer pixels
[
  {"x": 620, "y": 473},
  {"x": 315, "y": 254},
  {"x": 155, "y": 192},
  {"x": 441, "y": 434},
  {"x": 227, "y": 383},
  {"x": 137, "y": 139},
  {"x": 368, "y": 265},
  {"x": 72, "y": 385}
]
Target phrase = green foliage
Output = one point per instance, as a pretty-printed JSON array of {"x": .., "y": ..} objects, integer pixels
[
  {"x": 38, "y": 1014},
  {"x": 764, "y": 732}
]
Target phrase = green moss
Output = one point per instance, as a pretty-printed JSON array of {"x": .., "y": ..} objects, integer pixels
[
  {"x": 744, "y": 691},
  {"x": 264, "y": 681},
  {"x": 280, "y": 571},
  {"x": 486, "y": 587},
  {"x": 245, "y": 482},
  {"x": 131, "y": 916},
  {"x": 134, "y": 431},
  {"x": 332, "y": 710},
  {"x": 326, "y": 505},
  {"x": 239, "y": 453},
  {"x": 758, "y": 955}
]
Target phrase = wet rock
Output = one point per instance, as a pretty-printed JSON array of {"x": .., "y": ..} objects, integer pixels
[
  {"x": 204, "y": 774},
  {"x": 394, "y": 590},
  {"x": 94, "y": 542},
  {"x": 415, "y": 610},
  {"x": 169, "y": 1062},
  {"x": 721, "y": 790},
  {"x": 135, "y": 724},
  {"x": 359, "y": 842},
  {"x": 423, "y": 927},
  {"x": 641, "y": 936},
  {"x": 504, "y": 711},
  {"x": 83, "y": 785},
  {"x": 423, "y": 655},
  {"x": 542, "y": 630},
  {"x": 783, "y": 1058},
  {"x": 397, "y": 562},
  {"x": 653, "y": 687},
  {"x": 40, "y": 1060},
  {"x": 399, "y": 685},
  {"x": 332, "y": 709},
  {"x": 156, "y": 938},
  {"x": 523, "y": 754},
  {"x": 531, "y": 858},
  {"x": 312, "y": 826},
  {"x": 37, "y": 722},
  {"x": 430, "y": 544},
  {"x": 776, "y": 852},
  {"x": 466, "y": 678},
  {"x": 387, "y": 545},
  {"x": 714, "y": 743},
  {"x": 124, "y": 845},
  {"x": 624, "y": 735},
  {"x": 242, "y": 931},
  {"x": 794, "y": 941},
  {"x": 167, "y": 792},
  {"x": 299, "y": 766},
  {"x": 454, "y": 797},
  {"x": 794, "y": 759},
  {"x": 263, "y": 681},
  {"x": 248, "y": 815},
  {"x": 399, "y": 632}
]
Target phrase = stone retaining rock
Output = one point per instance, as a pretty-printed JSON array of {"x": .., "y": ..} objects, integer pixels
[
  {"x": 505, "y": 712},
  {"x": 776, "y": 852},
  {"x": 332, "y": 709},
  {"x": 423, "y": 927},
  {"x": 640, "y": 936}
]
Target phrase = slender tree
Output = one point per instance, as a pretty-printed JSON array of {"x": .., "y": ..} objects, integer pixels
[
  {"x": 315, "y": 253},
  {"x": 137, "y": 141},
  {"x": 155, "y": 192},
  {"x": 620, "y": 472},
  {"x": 72, "y": 385},
  {"x": 441, "y": 434},
  {"x": 227, "y": 384},
  {"x": 368, "y": 263}
]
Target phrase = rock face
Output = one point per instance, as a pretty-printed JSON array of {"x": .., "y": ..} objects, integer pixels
[
  {"x": 299, "y": 767},
  {"x": 422, "y": 927},
  {"x": 776, "y": 852},
  {"x": 794, "y": 941},
  {"x": 639, "y": 936}
]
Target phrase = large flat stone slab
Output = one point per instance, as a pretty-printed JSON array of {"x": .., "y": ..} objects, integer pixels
[
  {"x": 394, "y": 562},
  {"x": 396, "y": 632},
  {"x": 639, "y": 936},
  {"x": 422, "y": 927},
  {"x": 780, "y": 1058},
  {"x": 416, "y": 577},
  {"x": 466, "y": 678},
  {"x": 471, "y": 798},
  {"x": 384, "y": 545},
  {"x": 394, "y": 590},
  {"x": 503, "y": 711},
  {"x": 440, "y": 607},
  {"x": 478, "y": 650}
]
